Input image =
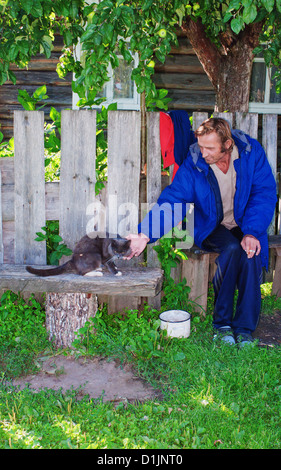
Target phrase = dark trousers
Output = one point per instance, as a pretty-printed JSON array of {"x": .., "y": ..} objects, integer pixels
[{"x": 235, "y": 271}]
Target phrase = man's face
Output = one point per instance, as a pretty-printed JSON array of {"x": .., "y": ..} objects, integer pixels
[{"x": 211, "y": 147}]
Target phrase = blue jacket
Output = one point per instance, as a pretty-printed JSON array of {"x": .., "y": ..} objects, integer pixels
[{"x": 195, "y": 182}]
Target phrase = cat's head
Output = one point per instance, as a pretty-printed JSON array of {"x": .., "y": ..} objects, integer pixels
[{"x": 121, "y": 247}]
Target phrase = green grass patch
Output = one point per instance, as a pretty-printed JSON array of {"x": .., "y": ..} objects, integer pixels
[{"x": 212, "y": 397}]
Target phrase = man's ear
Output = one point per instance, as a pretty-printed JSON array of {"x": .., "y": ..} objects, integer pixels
[{"x": 228, "y": 144}]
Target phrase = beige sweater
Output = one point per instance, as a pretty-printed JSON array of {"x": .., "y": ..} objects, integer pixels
[{"x": 227, "y": 183}]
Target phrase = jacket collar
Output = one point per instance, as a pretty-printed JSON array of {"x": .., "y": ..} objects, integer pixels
[{"x": 241, "y": 140}]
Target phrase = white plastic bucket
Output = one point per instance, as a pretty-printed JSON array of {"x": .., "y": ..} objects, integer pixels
[{"x": 176, "y": 322}]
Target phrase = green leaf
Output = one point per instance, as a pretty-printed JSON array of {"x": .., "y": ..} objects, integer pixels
[
  {"x": 40, "y": 93},
  {"x": 27, "y": 5},
  {"x": 13, "y": 51},
  {"x": 237, "y": 24},
  {"x": 234, "y": 5},
  {"x": 107, "y": 30},
  {"x": 46, "y": 46},
  {"x": 249, "y": 13},
  {"x": 26, "y": 101},
  {"x": 56, "y": 238},
  {"x": 180, "y": 12},
  {"x": 12, "y": 77},
  {"x": 37, "y": 9},
  {"x": 268, "y": 4}
]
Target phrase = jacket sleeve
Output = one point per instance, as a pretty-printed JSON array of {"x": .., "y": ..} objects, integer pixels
[
  {"x": 262, "y": 199},
  {"x": 172, "y": 205}
]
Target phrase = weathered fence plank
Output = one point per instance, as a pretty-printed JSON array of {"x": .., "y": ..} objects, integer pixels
[
  {"x": 269, "y": 142},
  {"x": 153, "y": 186},
  {"x": 227, "y": 116},
  {"x": 29, "y": 186},
  {"x": 248, "y": 123},
  {"x": 77, "y": 173},
  {"x": 1, "y": 225},
  {"x": 198, "y": 118},
  {"x": 153, "y": 173},
  {"x": 123, "y": 171},
  {"x": 124, "y": 156}
]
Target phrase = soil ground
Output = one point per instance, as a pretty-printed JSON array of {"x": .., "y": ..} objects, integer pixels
[
  {"x": 269, "y": 329},
  {"x": 98, "y": 378}
]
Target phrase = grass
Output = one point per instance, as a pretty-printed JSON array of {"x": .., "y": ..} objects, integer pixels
[{"x": 212, "y": 397}]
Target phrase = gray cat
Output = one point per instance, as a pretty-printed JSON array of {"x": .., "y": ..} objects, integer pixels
[{"x": 89, "y": 254}]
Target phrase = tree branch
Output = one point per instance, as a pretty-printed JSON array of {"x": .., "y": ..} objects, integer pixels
[{"x": 207, "y": 53}]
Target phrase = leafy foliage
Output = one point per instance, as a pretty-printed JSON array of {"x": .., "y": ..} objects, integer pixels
[
  {"x": 56, "y": 249},
  {"x": 22, "y": 333},
  {"x": 125, "y": 27}
]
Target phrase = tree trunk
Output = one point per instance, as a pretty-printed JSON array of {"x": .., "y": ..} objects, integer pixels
[
  {"x": 234, "y": 80},
  {"x": 66, "y": 314},
  {"x": 228, "y": 67}
]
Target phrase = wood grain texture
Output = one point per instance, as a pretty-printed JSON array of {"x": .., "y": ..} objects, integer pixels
[
  {"x": 29, "y": 174},
  {"x": 134, "y": 281},
  {"x": 1, "y": 226},
  {"x": 77, "y": 174}
]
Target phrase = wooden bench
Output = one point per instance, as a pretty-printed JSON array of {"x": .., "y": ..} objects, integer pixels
[{"x": 144, "y": 282}]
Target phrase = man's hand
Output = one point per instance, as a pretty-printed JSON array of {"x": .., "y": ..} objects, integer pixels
[
  {"x": 138, "y": 244},
  {"x": 251, "y": 245}
]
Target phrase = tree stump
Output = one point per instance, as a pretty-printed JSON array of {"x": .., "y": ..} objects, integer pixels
[{"x": 66, "y": 314}]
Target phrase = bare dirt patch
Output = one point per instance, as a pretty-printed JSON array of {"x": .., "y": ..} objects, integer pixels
[
  {"x": 269, "y": 329},
  {"x": 99, "y": 378},
  {"x": 96, "y": 378}
]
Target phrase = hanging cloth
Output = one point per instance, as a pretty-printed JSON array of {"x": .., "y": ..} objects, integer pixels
[{"x": 176, "y": 136}]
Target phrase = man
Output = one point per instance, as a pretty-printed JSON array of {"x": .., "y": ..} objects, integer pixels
[{"x": 228, "y": 178}]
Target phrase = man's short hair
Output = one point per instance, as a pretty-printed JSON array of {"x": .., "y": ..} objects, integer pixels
[{"x": 218, "y": 125}]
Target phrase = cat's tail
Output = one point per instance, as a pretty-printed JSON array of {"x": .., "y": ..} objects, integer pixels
[{"x": 64, "y": 268}]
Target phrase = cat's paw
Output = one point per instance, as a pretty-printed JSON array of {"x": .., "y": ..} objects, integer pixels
[
  {"x": 119, "y": 273},
  {"x": 94, "y": 273}
]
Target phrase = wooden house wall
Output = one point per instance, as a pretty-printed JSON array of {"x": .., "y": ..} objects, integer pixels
[
  {"x": 185, "y": 79},
  {"x": 41, "y": 71}
]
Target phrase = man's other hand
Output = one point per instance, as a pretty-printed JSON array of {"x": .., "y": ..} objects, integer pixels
[{"x": 251, "y": 245}]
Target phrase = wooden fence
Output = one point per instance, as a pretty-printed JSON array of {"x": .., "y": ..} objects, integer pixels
[{"x": 27, "y": 201}]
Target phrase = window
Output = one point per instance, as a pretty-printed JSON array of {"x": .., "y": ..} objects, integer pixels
[
  {"x": 120, "y": 88},
  {"x": 263, "y": 97}
]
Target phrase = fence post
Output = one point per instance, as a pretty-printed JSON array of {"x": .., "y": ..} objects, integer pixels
[{"x": 29, "y": 186}]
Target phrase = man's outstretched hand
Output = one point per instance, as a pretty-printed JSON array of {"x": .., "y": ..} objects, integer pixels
[{"x": 138, "y": 244}]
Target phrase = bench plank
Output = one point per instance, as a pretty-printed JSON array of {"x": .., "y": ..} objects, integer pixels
[{"x": 141, "y": 281}]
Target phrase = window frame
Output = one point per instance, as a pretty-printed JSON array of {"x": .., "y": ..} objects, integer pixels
[{"x": 266, "y": 107}]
